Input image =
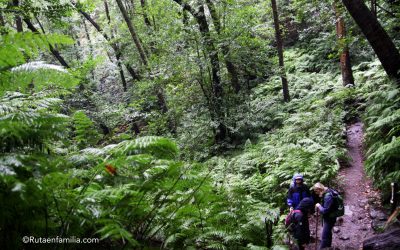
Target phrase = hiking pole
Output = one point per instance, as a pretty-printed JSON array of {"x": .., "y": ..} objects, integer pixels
[{"x": 316, "y": 231}]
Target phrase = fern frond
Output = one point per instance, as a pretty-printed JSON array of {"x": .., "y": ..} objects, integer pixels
[
  {"x": 15, "y": 46},
  {"x": 384, "y": 153},
  {"x": 33, "y": 66},
  {"x": 28, "y": 121},
  {"x": 160, "y": 147},
  {"x": 113, "y": 230}
]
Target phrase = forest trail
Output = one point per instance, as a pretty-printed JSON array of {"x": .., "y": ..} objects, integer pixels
[{"x": 355, "y": 226}]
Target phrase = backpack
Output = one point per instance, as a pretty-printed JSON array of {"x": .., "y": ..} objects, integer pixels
[
  {"x": 289, "y": 221},
  {"x": 338, "y": 205}
]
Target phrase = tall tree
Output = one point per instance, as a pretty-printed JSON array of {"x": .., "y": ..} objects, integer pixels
[
  {"x": 279, "y": 44},
  {"x": 2, "y": 22},
  {"x": 115, "y": 47},
  {"x": 373, "y": 7},
  {"x": 217, "y": 112},
  {"x": 54, "y": 51},
  {"x": 88, "y": 38},
  {"x": 345, "y": 63},
  {"x": 230, "y": 66},
  {"x": 133, "y": 33},
  {"x": 376, "y": 36},
  {"x": 18, "y": 20}
]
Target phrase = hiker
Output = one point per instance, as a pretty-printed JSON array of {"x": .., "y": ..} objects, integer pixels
[
  {"x": 301, "y": 227},
  {"x": 328, "y": 211},
  {"x": 297, "y": 191}
]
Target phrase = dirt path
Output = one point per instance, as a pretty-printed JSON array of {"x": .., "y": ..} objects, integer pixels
[
  {"x": 352, "y": 228},
  {"x": 356, "y": 224}
]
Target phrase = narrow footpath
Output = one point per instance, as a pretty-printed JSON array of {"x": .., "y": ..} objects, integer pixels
[{"x": 356, "y": 225}]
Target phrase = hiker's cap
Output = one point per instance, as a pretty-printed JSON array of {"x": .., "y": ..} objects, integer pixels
[{"x": 298, "y": 177}]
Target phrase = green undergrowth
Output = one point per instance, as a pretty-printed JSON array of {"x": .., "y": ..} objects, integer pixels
[
  {"x": 138, "y": 192},
  {"x": 310, "y": 140},
  {"x": 381, "y": 115}
]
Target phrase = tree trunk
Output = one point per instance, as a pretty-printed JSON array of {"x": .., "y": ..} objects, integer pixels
[
  {"x": 107, "y": 11},
  {"x": 55, "y": 52},
  {"x": 88, "y": 37},
  {"x": 90, "y": 44},
  {"x": 116, "y": 49},
  {"x": 77, "y": 46},
  {"x": 2, "y": 24},
  {"x": 376, "y": 36},
  {"x": 345, "y": 64},
  {"x": 132, "y": 72},
  {"x": 121, "y": 73},
  {"x": 221, "y": 132},
  {"x": 161, "y": 100},
  {"x": 385, "y": 241},
  {"x": 373, "y": 7},
  {"x": 18, "y": 20},
  {"x": 132, "y": 31},
  {"x": 212, "y": 52},
  {"x": 217, "y": 90},
  {"x": 113, "y": 45},
  {"x": 225, "y": 49},
  {"x": 285, "y": 88}
]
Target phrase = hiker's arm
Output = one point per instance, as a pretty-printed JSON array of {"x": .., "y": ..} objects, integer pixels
[
  {"x": 328, "y": 200},
  {"x": 289, "y": 198}
]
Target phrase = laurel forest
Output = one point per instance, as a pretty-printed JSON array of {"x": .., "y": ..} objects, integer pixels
[{"x": 177, "y": 124}]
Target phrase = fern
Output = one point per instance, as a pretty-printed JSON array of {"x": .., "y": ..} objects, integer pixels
[
  {"x": 32, "y": 66},
  {"x": 115, "y": 231},
  {"x": 25, "y": 122},
  {"x": 17, "y": 75},
  {"x": 382, "y": 118},
  {"x": 158, "y": 146},
  {"x": 85, "y": 132},
  {"x": 31, "y": 175},
  {"x": 15, "y": 47}
]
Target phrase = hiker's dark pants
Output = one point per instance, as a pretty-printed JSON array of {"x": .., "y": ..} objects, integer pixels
[{"x": 326, "y": 239}]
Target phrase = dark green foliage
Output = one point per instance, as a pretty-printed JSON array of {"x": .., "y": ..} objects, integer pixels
[
  {"x": 152, "y": 197},
  {"x": 26, "y": 124},
  {"x": 84, "y": 130},
  {"x": 157, "y": 178},
  {"x": 382, "y": 118},
  {"x": 30, "y": 127},
  {"x": 16, "y": 49}
]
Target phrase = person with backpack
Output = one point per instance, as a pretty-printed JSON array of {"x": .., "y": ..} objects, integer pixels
[
  {"x": 298, "y": 190},
  {"x": 331, "y": 208},
  {"x": 297, "y": 222}
]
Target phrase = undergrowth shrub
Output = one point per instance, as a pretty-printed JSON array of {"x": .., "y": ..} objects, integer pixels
[
  {"x": 382, "y": 119},
  {"x": 84, "y": 130},
  {"x": 304, "y": 136},
  {"x": 30, "y": 127}
]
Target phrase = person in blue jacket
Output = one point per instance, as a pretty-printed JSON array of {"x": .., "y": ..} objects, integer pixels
[
  {"x": 326, "y": 209},
  {"x": 297, "y": 191}
]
